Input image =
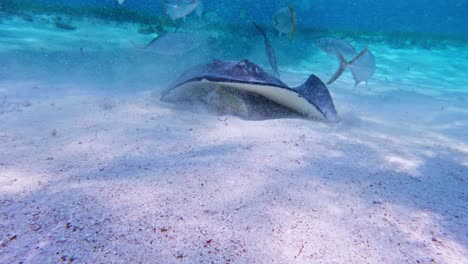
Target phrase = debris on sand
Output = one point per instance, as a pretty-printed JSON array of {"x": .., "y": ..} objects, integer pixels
[
  {"x": 7, "y": 106},
  {"x": 106, "y": 103}
]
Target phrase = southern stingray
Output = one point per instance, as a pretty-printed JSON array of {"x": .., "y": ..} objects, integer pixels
[{"x": 244, "y": 88}]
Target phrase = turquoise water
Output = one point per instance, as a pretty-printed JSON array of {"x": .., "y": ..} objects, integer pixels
[
  {"x": 95, "y": 168},
  {"x": 32, "y": 45},
  {"x": 435, "y": 17}
]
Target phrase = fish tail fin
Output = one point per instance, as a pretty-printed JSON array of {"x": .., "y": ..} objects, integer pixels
[
  {"x": 343, "y": 65},
  {"x": 356, "y": 74}
]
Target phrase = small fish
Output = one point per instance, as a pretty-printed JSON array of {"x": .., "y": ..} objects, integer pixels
[
  {"x": 176, "y": 9},
  {"x": 121, "y": 2},
  {"x": 333, "y": 46},
  {"x": 285, "y": 21},
  {"x": 362, "y": 67},
  {"x": 175, "y": 43},
  {"x": 270, "y": 51}
]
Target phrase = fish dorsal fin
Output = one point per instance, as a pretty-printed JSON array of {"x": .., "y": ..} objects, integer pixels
[{"x": 152, "y": 41}]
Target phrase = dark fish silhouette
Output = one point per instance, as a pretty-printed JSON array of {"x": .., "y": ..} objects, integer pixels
[{"x": 269, "y": 50}]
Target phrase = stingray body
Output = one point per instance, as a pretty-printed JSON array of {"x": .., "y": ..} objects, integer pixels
[{"x": 243, "y": 87}]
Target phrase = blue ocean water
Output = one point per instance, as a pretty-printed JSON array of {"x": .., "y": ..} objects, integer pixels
[
  {"x": 96, "y": 168},
  {"x": 416, "y": 33},
  {"x": 434, "y": 17}
]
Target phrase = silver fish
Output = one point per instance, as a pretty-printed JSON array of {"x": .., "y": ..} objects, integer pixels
[
  {"x": 270, "y": 51},
  {"x": 175, "y": 43},
  {"x": 333, "y": 46},
  {"x": 176, "y": 9},
  {"x": 285, "y": 21},
  {"x": 362, "y": 67},
  {"x": 121, "y": 2}
]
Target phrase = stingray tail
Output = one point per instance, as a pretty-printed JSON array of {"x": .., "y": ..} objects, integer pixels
[{"x": 345, "y": 64}]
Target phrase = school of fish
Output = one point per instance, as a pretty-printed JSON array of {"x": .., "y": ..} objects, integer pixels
[{"x": 361, "y": 64}]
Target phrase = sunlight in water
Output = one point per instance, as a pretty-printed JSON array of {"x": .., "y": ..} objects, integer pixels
[
  {"x": 177, "y": 131},
  {"x": 404, "y": 165}
]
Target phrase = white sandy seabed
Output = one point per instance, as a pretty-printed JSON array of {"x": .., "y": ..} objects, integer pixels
[{"x": 92, "y": 175}]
